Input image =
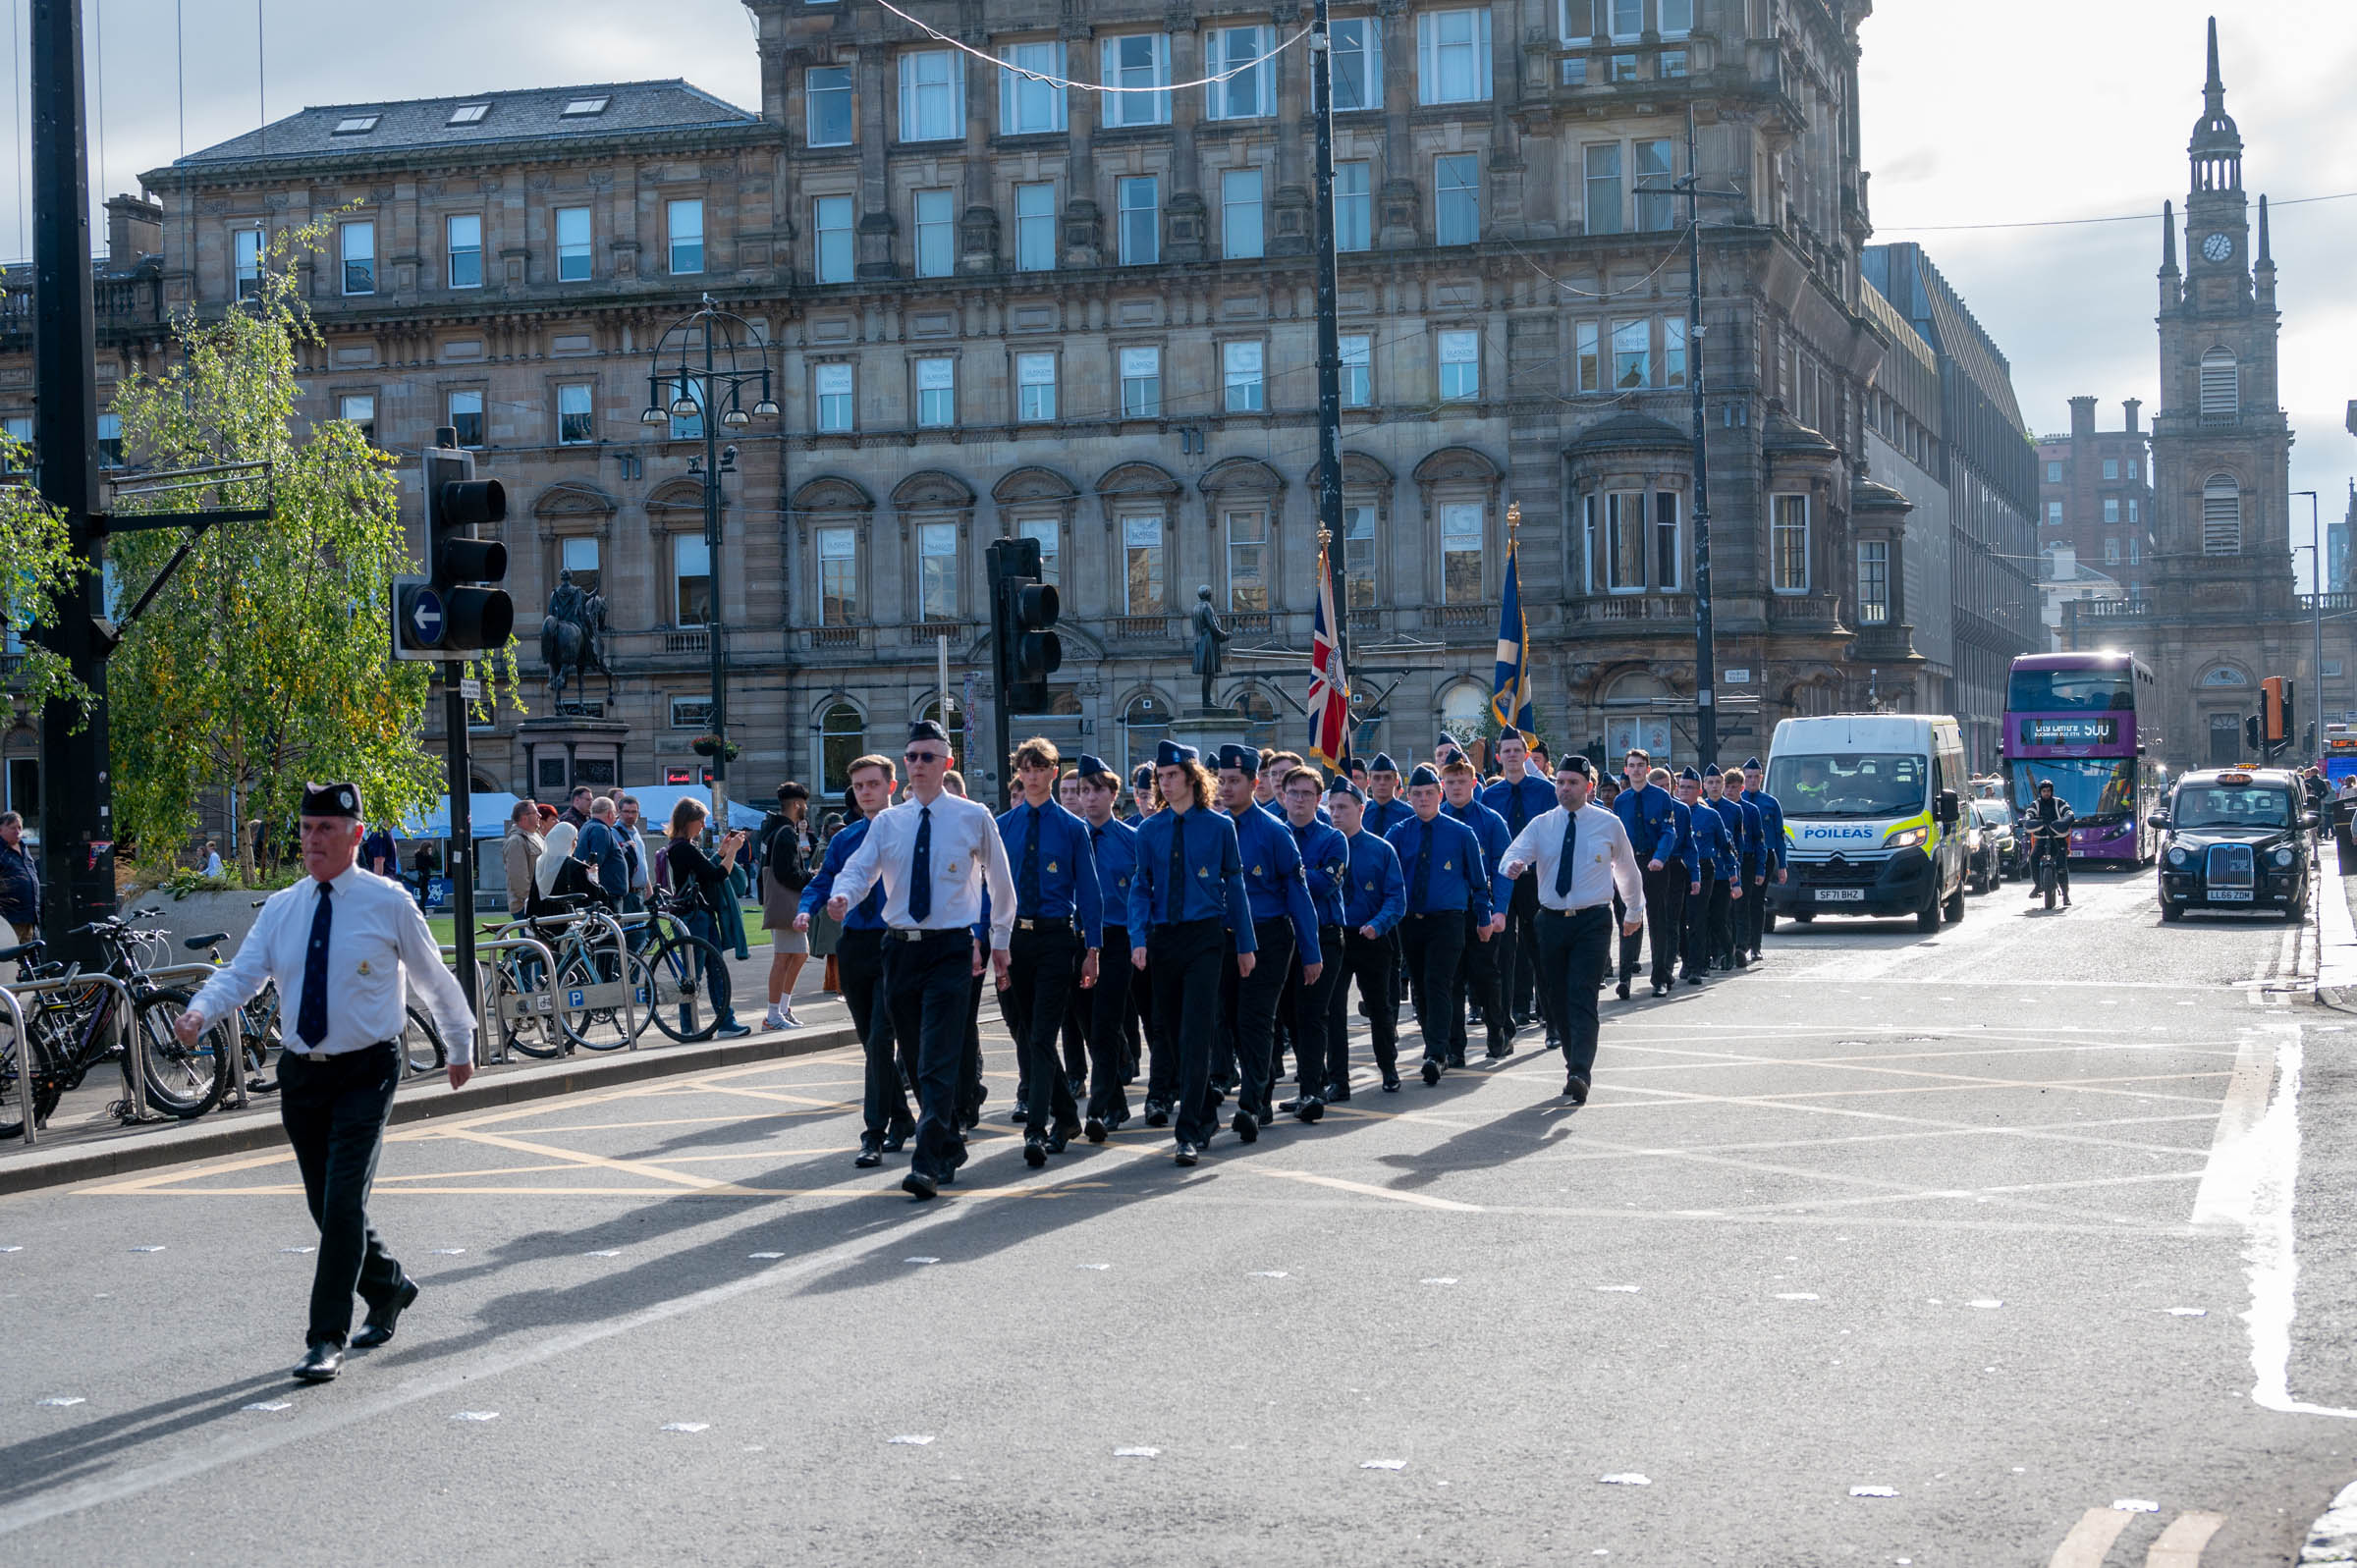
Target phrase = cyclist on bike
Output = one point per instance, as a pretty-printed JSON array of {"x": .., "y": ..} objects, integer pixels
[{"x": 2048, "y": 821}]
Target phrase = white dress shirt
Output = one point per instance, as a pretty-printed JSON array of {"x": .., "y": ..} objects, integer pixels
[
  {"x": 966, "y": 854},
  {"x": 1602, "y": 857},
  {"x": 376, "y": 940}
]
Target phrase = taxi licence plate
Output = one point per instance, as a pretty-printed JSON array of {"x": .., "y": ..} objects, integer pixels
[
  {"x": 2229, "y": 895},
  {"x": 1839, "y": 895}
]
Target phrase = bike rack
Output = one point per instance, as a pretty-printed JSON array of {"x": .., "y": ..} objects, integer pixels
[
  {"x": 130, "y": 1051},
  {"x": 236, "y": 1021},
  {"x": 482, "y": 992},
  {"x": 16, "y": 1016},
  {"x": 621, "y": 942}
]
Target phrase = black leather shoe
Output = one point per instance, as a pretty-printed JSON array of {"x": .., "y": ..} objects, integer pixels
[
  {"x": 1309, "y": 1108},
  {"x": 1267, "y": 1119},
  {"x": 1576, "y": 1089},
  {"x": 1338, "y": 1094},
  {"x": 870, "y": 1156},
  {"x": 1742, "y": 960},
  {"x": 1093, "y": 1130},
  {"x": 1391, "y": 1083},
  {"x": 378, "y": 1327},
  {"x": 1432, "y": 1072},
  {"x": 1185, "y": 1155},
  {"x": 1693, "y": 980},
  {"x": 1660, "y": 988},
  {"x": 1060, "y": 1139},
  {"x": 897, "y": 1139},
  {"x": 1158, "y": 1114},
  {"x": 916, "y": 1184},
  {"x": 1035, "y": 1152},
  {"x": 1621, "y": 991},
  {"x": 1246, "y": 1126},
  {"x": 1457, "y": 1058},
  {"x": 1499, "y": 1050},
  {"x": 319, "y": 1363},
  {"x": 1290, "y": 1106},
  {"x": 1019, "y": 1115}
]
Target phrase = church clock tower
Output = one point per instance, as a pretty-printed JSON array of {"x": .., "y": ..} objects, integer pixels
[{"x": 2223, "y": 611}]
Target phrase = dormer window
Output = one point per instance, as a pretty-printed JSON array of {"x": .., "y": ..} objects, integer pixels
[
  {"x": 358, "y": 125},
  {"x": 583, "y": 108},
  {"x": 467, "y": 114}
]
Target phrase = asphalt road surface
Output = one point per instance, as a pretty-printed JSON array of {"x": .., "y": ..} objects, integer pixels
[{"x": 1978, "y": 1248}]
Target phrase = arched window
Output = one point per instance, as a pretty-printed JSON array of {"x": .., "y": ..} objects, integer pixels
[
  {"x": 842, "y": 741},
  {"x": 1259, "y": 713},
  {"x": 2222, "y": 516},
  {"x": 1465, "y": 709},
  {"x": 2222, "y": 385},
  {"x": 1145, "y": 723}
]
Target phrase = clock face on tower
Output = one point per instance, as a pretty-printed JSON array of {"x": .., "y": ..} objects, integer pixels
[{"x": 2219, "y": 247}]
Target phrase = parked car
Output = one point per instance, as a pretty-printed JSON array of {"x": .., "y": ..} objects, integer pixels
[
  {"x": 2235, "y": 838},
  {"x": 1990, "y": 855}
]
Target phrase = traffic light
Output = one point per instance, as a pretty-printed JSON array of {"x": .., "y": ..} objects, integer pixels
[
  {"x": 460, "y": 612},
  {"x": 2250, "y": 735},
  {"x": 1023, "y": 609},
  {"x": 2276, "y": 709}
]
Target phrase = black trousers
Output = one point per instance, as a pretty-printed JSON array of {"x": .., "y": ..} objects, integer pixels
[
  {"x": 1317, "y": 1047},
  {"x": 1373, "y": 964},
  {"x": 1481, "y": 979},
  {"x": 1043, "y": 969},
  {"x": 930, "y": 989},
  {"x": 1706, "y": 919},
  {"x": 335, "y": 1110},
  {"x": 1433, "y": 946},
  {"x": 1184, "y": 960},
  {"x": 1665, "y": 922},
  {"x": 970, "y": 1092},
  {"x": 1112, "y": 1010},
  {"x": 1248, "y": 1003},
  {"x": 1518, "y": 949},
  {"x": 860, "y": 966},
  {"x": 1574, "y": 949},
  {"x": 1748, "y": 911}
]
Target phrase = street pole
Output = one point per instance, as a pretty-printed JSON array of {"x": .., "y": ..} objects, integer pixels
[
  {"x": 719, "y": 654},
  {"x": 1330, "y": 348},
  {"x": 78, "y": 829},
  {"x": 1706, "y": 711},
  {"x": 2316, "y": 606},
  {"x": 459, "y": 863}
]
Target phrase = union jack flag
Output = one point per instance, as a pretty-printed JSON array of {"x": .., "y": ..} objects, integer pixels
[{"x": 1329, "y": 687}]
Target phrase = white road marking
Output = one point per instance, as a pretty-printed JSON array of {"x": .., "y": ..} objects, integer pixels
[
  {"x": 2089, "y": 1540},
  {"x": 2271, "y": 1162},
  {"x": 2230, "y": 1180}
]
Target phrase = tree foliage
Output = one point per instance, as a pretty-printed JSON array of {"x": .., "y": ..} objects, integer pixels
[
  {"x": 265, "y": 659},
  {"x": 40, "y": 574}
]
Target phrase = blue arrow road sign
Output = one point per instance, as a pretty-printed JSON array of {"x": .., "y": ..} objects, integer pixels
[{"x": 425, "y": 616}]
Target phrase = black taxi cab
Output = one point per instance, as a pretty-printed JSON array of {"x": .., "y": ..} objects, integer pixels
[{"x": 2235, "y": 838}]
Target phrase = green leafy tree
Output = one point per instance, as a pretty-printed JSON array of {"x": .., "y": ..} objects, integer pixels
[
  {"x": 37, "y": 573},
  {"x": 266, "y": 660}
]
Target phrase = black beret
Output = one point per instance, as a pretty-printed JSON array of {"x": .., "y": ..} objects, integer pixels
[
  {"x": 1452, "y": 755},
  {"x": 928, "y": 729},
  {"x": 1423, "y": 776},
  {"x": 331, "y": 800},
  {"x": 1171, "y": 754},
  {"x": 1574, "y": 762}
]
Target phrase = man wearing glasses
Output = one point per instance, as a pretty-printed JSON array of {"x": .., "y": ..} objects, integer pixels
[{"x": 934, "y": 853}]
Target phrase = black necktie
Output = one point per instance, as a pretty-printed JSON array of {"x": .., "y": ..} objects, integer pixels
[
  {"x": 1174, "y": 897},
  {"x": 310, "y": 1020},
  {"x": 920, "y": 870},
  {"x": 1423, "y": 883},
  {"x": 1562, "y": 867},
  {"x": 1518, "y": 809},
  {"x": 1027, "y": 889}
]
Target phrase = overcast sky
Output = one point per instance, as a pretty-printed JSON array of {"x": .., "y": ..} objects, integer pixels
[{"x": 1991, "y": 112}]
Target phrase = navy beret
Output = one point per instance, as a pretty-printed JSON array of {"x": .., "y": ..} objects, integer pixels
[
  {"x": 1093, "y": 767},
  {"x": 331, "y": 800},
  {"x": 1452, "y": 755},
  {"x": 1423, "y": 776},
  {"x": 1171, "y": 754},
  {"x": 1687, "y": 774},
  {"x": 1382, "y": 762},
  {"x": 1243, "y": 759},
  {"x": 1343, "y": 787},
  {"x": 1753, "y": 766}
]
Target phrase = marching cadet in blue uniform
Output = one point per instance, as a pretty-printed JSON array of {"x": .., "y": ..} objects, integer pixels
[
  {"x": 1714, "y": 866},
  {"x": 1740, "y": 831},
  {"x": 1386, "y": 808},
  {"x": 1374, "y": 897},
  {"x": 1518, "y": 794},
  {"x": 1058, "y": 924},
  {"x": 1771, "y": 828},
  {"x": 1284, "y": 925},
  {"x": 1752, "y": 873},
  {"x": 1479, "y": 978},
  {"x": 859, "y": 965},
  {"x": 1658, "y": 838},
  {"x": 1113, "y": 1004},
  {"x": 1441, "y": 860},
  {"x": 1318, "y": 1051},
  {"x": 1188, "y": 906}
]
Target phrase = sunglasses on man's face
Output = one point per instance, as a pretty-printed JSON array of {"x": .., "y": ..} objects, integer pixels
[{"x": 920, "y": 756}]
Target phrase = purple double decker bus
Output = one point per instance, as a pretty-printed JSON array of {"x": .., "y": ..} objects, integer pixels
[{"x": 2079, "y": 720}]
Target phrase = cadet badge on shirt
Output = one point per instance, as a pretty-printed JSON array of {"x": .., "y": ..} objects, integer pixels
[
  {"x": 1447, "y": 864},
  {"x": 364, "y": 969},
  {"x": 1202, "y": 871},
  {"x": 1256, "y": 871},
  {"x": 1051, "y": 865}
]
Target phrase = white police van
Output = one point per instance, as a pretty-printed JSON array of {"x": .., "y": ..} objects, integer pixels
[{"x": 1873, "y": 824}]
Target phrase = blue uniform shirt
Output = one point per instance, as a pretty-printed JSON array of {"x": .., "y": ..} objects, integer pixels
[
  {"x": 1113, "y": 848},
  {"x": 1214, "y": 887},
  {"x": 1495, "y": 835},
  {"x": 1714, "y": 850},
  {"x": 1325, "y": 866},
  {"x": 1653, "y": 817},
  {"x": 865, "y": 915},
  {"x": 1385, "y": 815},
  {"x": 1534, "y": 795},
  {"x": 1273, "y": 880},
  {"x": 1377, "y": 893},
  {"x": 1457, "y": 878},
  {"x": 1771, "y": 822},
  {"x": 1755, "y": 836},
  {"x": 1067, "y": 872}
]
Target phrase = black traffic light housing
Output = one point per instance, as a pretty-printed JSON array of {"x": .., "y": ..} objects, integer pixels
[
  {"x": 1023, "y": 609},
  {"x": 460, "y": 612},
  {"x": 2251, "y": 735}
]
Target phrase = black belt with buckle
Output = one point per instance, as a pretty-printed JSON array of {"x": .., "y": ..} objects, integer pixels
[
  {"x": 1566, "y": 914},
  {"x": 920, "y": 933},
  {"x": 1044, "y": 923}
]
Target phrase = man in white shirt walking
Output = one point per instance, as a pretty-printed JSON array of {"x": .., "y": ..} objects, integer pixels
[
  {"x": 1581, "y": 853},
  {"x": 934, "y": 852},
  {"x": 345, "y": 945}
]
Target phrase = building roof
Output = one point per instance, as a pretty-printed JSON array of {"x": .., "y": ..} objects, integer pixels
[
  {"x": 1629, "y": 428},
  {"x": 532, "y": 114}
]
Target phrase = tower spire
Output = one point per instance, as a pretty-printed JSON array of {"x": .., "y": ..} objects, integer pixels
[
  {"x": 2214, "y": 91},
  {"x": 2168, "y": 238},
  {"x": 2265, "y": 257}
]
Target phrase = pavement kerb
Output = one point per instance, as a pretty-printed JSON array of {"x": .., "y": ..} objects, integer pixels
[
  {"x": 2333, "y": 1536},
  {"x": 2336, "y": 937},
  {"x": 418, "y": 1100}
]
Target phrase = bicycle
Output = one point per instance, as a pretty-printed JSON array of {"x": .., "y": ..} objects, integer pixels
[{"x": 2048, "y": 844}]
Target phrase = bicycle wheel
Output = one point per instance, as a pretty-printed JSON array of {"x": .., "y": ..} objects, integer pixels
[
  {"x": 612, "y": 1028},
  {"x": 261, "y": 1027},
  {"x": 527, "y": 1020},
  {"x": 421, "y": 1048},
  {"x": 691, "y": 987},
  {"x": 182, "y": 1081}
]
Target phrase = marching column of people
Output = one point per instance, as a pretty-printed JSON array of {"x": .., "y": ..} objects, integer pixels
[{"x": 1223, "y": 916}]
